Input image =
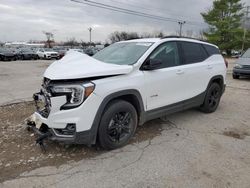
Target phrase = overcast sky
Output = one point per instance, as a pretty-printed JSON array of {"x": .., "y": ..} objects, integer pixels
[{"x": 24, "y": 20}]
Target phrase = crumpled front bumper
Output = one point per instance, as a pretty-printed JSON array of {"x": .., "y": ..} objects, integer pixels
[
  {"x": 49, "y": 134},
  {"x": 46, "y": 125}
]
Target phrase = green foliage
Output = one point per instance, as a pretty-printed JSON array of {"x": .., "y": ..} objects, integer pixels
[{"x": 224, "y": 20}]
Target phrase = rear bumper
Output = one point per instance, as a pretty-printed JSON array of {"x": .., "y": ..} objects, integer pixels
[{"x": 241, "y": 72}]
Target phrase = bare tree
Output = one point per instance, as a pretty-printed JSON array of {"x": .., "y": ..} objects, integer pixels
[
  {"x": 201, "y": 35},
  {"x": 188, "y": 33},
  {"x": 120, "y": 36},
  {"x": 49, "y": 37},
  {"x": 159, "y": 34},
  {"x": 146, "y": 35},
  {"x": 71, "y": 42}
]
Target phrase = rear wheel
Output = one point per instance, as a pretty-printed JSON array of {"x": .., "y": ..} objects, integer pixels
[
  {"x": 236, "y": 76},
  {"x": 212, "y": 98},
  {"x": 118, "y": 124}
]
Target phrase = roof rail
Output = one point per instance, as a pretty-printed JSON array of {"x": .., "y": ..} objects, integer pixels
[{"x": 173, "y": 36}]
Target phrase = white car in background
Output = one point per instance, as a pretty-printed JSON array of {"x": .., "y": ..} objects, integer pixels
[
  {"x": 47, "y": 54},
  {"x": 75, "y": 50}
]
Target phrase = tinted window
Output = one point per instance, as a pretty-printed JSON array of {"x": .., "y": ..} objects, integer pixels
[
  {"x": 167, "y": 53},
  {"x": 211, "y": 50},
  {"x": 193, "y": 52}
]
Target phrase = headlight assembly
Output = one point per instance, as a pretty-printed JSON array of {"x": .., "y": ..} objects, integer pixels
[
  {"x": 238, "y": 66},
  {"x": 75, "y": 94}
]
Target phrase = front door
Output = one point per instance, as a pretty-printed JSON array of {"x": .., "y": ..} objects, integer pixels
[{"x": 165, "y": 85}]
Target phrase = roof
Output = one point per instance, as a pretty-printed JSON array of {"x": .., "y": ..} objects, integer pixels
[{"x": 177, "y": 38}]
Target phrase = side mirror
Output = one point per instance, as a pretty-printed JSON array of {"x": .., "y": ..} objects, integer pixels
[{"x": 152, "y": 64}]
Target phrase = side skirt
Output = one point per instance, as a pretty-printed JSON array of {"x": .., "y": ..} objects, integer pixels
[{"x": 180, "y": 106}]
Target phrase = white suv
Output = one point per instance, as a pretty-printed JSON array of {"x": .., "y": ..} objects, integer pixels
[
  {"x": 47, "y": 54},
  {"x": 103, "y": 98}
]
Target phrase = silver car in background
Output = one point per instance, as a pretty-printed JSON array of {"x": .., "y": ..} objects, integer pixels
[{"x": 242, "y": 66}]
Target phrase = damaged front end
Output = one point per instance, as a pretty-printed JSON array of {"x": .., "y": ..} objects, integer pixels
[{"x": 46, "y": 122}]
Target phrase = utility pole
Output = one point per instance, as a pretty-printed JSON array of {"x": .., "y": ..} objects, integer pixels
[
  {"x": 90, "y": 30},
  {"x": 245, "y": 29},
  {"x": 181, "y": 23}
]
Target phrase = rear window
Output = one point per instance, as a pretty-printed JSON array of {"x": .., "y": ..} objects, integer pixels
[
  {"x": 193, "y": 52},
  {"x": 211, "y": 50}
]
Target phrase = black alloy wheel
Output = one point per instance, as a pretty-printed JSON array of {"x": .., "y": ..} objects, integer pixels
[
  {"x": 117, "y": 125},
  {"x": 212, "y": 98}
]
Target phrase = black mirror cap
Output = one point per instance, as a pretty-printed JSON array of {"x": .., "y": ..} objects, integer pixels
[{"x": 151, "y": 64}]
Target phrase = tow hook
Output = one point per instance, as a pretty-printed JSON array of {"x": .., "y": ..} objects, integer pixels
[{"x": 31, "y": 126}]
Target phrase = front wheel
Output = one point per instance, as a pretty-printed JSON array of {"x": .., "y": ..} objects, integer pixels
[
  {"x": 212, "y": 98},
  {"x": 118, "y": 124}
]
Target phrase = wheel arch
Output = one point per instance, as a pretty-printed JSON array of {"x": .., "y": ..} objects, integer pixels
[
  {"x": 217, "y": 79},
  {"x": 132, "y": 96}
]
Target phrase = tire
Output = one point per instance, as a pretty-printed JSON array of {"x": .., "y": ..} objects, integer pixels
[
  {"x": 114, "y": 131},
  {"x": 212, "y": 98},
  {"x": 236, "y": 76}
]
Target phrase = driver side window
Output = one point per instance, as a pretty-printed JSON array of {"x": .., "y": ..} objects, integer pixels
[{"x": 167, "y": 53}]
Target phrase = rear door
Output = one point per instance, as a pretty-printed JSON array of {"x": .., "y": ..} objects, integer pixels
[{"x": 195, "y": 68}]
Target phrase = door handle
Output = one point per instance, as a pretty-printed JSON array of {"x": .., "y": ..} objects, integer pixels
[{"x": 180, "y": 72}]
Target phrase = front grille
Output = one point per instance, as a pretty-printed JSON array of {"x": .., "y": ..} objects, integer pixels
[{"x": 42, "y": 99}]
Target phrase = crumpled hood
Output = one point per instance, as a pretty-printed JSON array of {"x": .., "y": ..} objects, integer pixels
[
  {"x": 76, "y": 65},
  {"x": 243, "y": 61}
]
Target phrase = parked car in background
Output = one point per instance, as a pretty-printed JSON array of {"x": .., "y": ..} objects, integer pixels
[
  {"x": 27, "y": 54},
  {"x": 76, "y": 50},
  {"x": 236, "y": 54},
  {"x": 7, "y": 55},
  {"x": 47, "y": 54},
  {"x": 90, "y": 51},
  {"x": 61, "y": 51},
  {"x": 242, "y": 66}
]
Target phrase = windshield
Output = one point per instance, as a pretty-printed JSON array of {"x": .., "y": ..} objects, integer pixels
[
  {"x": 126, "y": 53},
  {"x": 246, "y": 54}
]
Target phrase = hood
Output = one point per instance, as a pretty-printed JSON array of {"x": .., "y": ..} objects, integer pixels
[
  {"x": 243, "y": 61},
  {"x": 76, "y": 65}
]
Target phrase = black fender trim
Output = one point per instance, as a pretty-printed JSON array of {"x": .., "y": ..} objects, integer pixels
[
  {"x": 222, "y": 84},
  {"x": 89, "y": 137}
]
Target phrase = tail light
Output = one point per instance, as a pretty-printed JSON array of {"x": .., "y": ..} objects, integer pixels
[{"x": 226, "y": 63}]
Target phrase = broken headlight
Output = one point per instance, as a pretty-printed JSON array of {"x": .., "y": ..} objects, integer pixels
[{"x": 75, "y": 94}]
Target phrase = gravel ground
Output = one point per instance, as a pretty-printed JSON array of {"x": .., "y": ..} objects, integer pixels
[
  {"x": 19, "y": 153},
  {"x": 186, "y": 149}
]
